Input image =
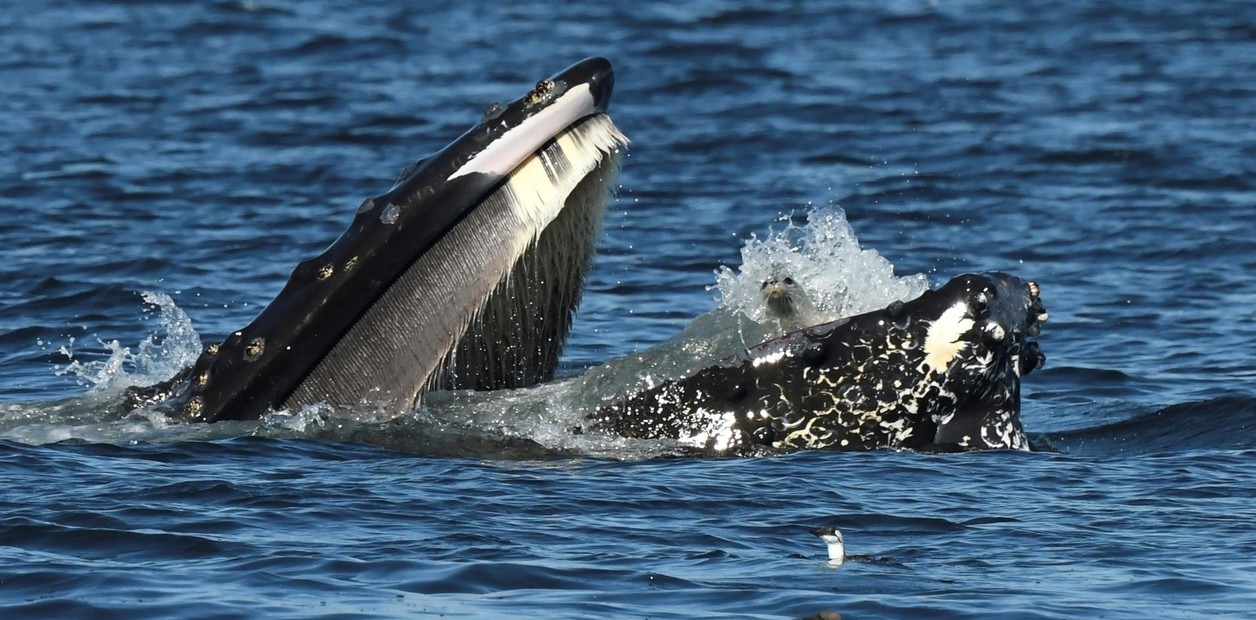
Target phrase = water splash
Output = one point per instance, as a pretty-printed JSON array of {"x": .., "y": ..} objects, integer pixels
[
  {"x": 155, "y": 359},
  {"x": 95, "y": 416},
  {"x": 824, "y": 257}
]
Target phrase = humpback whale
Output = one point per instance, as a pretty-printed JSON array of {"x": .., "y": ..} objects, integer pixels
[
  {"x": 467, "y": 272},
  {"x": 939, "y": 372}
]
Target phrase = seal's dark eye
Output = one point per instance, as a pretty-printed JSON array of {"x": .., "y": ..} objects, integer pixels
[
  {"x": 789, "y": 281},
  {"x": 765, "y": 284}
]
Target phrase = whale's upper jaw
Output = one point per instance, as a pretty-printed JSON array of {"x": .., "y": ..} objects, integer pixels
[
  {"x": 262, "y": 366},
  {"x": 939, "y": 372},
  {"x": 508, "y": 134}
]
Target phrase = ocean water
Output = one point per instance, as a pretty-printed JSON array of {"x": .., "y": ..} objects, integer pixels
[{"x": 167, "y": 164}]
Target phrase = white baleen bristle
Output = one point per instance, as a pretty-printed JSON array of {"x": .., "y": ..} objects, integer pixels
[
  {"x": 510, "y": 222},
  {"x": 538, "y": 188}
]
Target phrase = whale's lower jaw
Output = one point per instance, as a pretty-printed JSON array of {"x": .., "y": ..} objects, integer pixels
[
  {"x": 940, "y": 372},
  {"x": 490, "y": 305}
]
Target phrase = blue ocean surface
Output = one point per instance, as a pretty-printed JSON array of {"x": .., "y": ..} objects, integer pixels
[{"x": 167, "y": 164}]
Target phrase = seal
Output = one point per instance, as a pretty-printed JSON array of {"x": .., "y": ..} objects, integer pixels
[
  {"x": 939, "y": 372},
  {"x": 786, "y": 301}
]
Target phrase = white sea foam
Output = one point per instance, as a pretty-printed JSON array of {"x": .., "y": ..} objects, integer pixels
[{"x": 824, "y": 257}]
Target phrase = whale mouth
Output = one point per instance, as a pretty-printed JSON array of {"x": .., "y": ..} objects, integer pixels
[
  {"x": 465, "y": 273},
  {"x": 940, "y": 372}
]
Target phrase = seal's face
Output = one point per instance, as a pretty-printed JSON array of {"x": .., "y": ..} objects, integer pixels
[
  {"x": 938, "y": 372},
  {"x": 778, "y": 294}
]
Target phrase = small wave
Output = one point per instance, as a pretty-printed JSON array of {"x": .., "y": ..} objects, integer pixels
[
  {"x": 1227, "y": 422},
  {"x": 106, "y": 542}
]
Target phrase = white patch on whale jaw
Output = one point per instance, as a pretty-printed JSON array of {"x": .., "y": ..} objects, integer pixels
[
  {"x": 519, "y": 143},
  {"x": 944, "y": 340},
  {"x": 1004, "y": 434}
]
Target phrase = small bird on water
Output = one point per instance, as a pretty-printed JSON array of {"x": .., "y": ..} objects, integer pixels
[{"x": 833, "y": 538}]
